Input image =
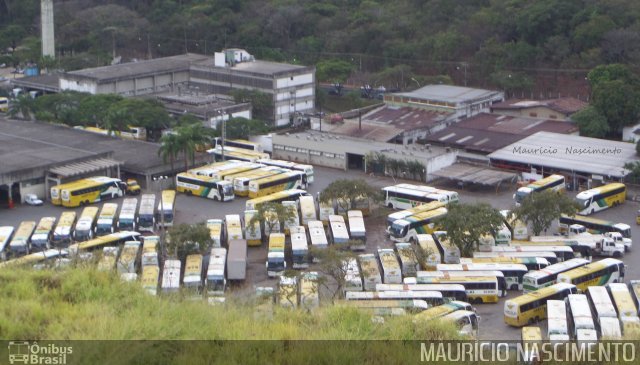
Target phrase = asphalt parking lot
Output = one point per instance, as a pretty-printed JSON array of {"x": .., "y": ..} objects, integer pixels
[{"x": 193, "y": 210}]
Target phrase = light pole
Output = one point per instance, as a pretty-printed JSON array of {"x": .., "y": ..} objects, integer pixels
[
  {"x": 464, "y": 66},
  {"x": 223, "y": 131},
  {"x": 157, "y": 179},
  {"x": 416, "y": 81}
]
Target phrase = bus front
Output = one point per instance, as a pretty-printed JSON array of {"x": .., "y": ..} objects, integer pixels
[
  {"x": 583, "y": 199},
  {"x": 521, "y": 194},
  {"x": 225, "y": 190},
  {"x": 398, "y": 231}
]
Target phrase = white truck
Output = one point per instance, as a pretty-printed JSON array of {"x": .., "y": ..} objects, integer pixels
[
  {"x": 237, "y": 260},
  {"x": 601, "y": 245},
  {"x": 578, "y": 230}
]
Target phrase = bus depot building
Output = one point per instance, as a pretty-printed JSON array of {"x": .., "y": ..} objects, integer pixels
[
  {"x": 37, "y": 156},
  {"x": 585, "y": 162},
  {"x": 350, "y": 153}
]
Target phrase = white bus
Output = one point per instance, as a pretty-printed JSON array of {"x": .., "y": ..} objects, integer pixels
[
  {"x": 553, "y": 183},
  {"x": 449, "y": 253},
  {"x": 171, "y": 276},
  {"x": 481, "y": 286},
  {"x": 294, "y": 220},
  {"x": 534, "y": 280},
  {"x": 307, "y": 169},
  {"x": 317, "y": 236},
  {"x": 402, "y": 198},
  {"x": 357, "y": 230},
  {"x": 428, "y": 252},
  {"x": 108, "y": 260},
  {"x": 299, "y": 248},
  {"x": 353, "y": 279},
  {"x": 309, "y": 290},
  {"x": 338, "y": 230},
  {"x": 603, "y": 309},
  {"x": 449, "y": 291},
  {"x": 466, "y": 321},
  {"x": 391, "y": 272},
  {"x": 308, "y": 209},
  {"x": 6, "y": 232},
  {"x": 600, "y": 198},
  {"x": 406, "y": 230},
  {"x": 147, "y": 213},
  {"x": 432, "y": 298},
  {"x": 128, "y": 217},
  {"x": 41, "y": 238},
  {"x": 513, "y": 273},
  {"x": 233, "y": 227},
  {"x": 106, "y": 219},
  {"x": 557, "y": 328},
  {"x": 548, "y": 255},
  {"x": 562, "y": 253},
  {"x": 216, "y": 282},
  {"x": 252, "y": 232},
  {"x": 127, "y": 262},
  {"x": 411, "y": 211},
  {"x": 370, "y": 271},
  {"x": 215, "y": 231},
  {"x": 582, "y": 325},
  {"x": 408, "y": 259}
]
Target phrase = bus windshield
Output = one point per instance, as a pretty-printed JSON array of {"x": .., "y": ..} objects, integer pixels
[{"x": 398, "y": 230}]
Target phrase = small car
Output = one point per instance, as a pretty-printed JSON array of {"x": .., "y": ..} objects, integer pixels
[{"x": 32, "y": 199}]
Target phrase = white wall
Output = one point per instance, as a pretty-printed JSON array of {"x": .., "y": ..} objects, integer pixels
[
  {"x": 297, "y": 80},
  {"x": 215, "y": 121},
  {"x": 37, "y": 189},
  {"x": 82, "y": 86},
  {"x": 440, "y": 162}
]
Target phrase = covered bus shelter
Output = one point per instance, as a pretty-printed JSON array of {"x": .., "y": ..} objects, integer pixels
[
  {"x": 467, "y": 174},
  {"x": 58, "y": 174}
]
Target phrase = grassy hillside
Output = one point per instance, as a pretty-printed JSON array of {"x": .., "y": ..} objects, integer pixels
[{"x": 82, "y": 303}]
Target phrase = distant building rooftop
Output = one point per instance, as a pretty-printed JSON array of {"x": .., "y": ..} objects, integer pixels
[
  {"x": 140, "y": 68},
  {"x": 50, "y": 83},
  {"x": 486, "y": 133},
  {"x": 569, "y": 153},
  {"x": 257, "y": 67},
  {"x": 449, "y": 93},
  {"x": 566, "y": 105}
]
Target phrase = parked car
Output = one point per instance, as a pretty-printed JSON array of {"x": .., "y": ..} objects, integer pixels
[{"x": 32, "y": 199}]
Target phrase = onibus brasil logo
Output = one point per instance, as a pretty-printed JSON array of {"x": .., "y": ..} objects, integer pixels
[{"x": 24, "y": 352}]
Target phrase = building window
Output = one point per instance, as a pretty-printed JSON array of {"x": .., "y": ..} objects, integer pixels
[
  {"x": 303, "y": 150},
  {"x": 292, "y": 149},
  {"x": 315, "y": 153},
  {"x": 330, "y": 155},
  {"x": 533, "y": 114},
  {"x": 278, "y": 147}
]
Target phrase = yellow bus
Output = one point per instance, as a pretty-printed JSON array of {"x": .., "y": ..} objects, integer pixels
[
  {"x": 167, "y": 208},
  {"x": 309, "y": 291},
  {"x": 442, "y": 310},
  {"x": 407, "y": 229},
  {"x": 253, "y": 233},
  {"x": 215, "y": 231},
  {"x": 86, "y": 224},
  {"x": 4, "y": 105},
  {"x": 62, "y": 233},
  {"x": 233, "y": 227},
  {"x": 106, "y": 219},
  {"x": 293, "y": 195},
  {"x": 20, "y": 244},
  {"x": 204, "y": 186},
  {"x": 532, "y": 263},
  {"x": 241, "y": 183},
  {"x": 272, "y": 184},
  {"x": 625, "y": 308},
  {"x": 87, "y": 191},
  {"x": 41, "y": 238},
  {"x": 132, "y": 132},
  {"x": 412, "y": 211},
  {"x": 594, "y": 274},
  {"x": 532, "y": 307},
  {"x": 221, "y": 174},
  {"x": 552, "y": 182},
  {"x": 601, "y": 198},
  {"x": 114, "y": 239},
  {"x": 235, "y": 153},
  {"x": 429, "y": 256}
]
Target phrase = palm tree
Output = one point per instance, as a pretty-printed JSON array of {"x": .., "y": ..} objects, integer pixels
[
  {"x": 192, "y": 135},
  {"x": 22, "y": 105},
  {"x": 169, "y": 148}
]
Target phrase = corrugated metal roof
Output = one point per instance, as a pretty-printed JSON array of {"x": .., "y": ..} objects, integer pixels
[
  {"x": 80, "y": 168},
  {"x": 450, "y": 93},
  {"x": 570, "y": 153}
]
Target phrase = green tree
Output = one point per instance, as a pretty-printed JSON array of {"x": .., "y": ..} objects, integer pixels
[
  {"x": 242, "y": 128},
  {"x": 269, "y": 216},
  {"x": 22, "y": 106},
  {"x": 262, "y": 103},
  {"x": 591, "y": 122},
  {"x": 334, "y": 70},
  {"x": 115, "y": 119},
  {"x": 169, "y": 148},
  {"x": 186, "y": 239},
  {"x": 619, "y": 102},
  {"x": 466, "y": 223},
  {"x": 92, "y": 110},
  {"x": 191, "y": 135},
  {"x": 345, "y": 192},
  {"x": 332, "y": 265},
  {"x": 541, "y": 209}
]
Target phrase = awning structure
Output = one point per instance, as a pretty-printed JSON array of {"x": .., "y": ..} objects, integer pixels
[
  {"x": 84, "y": 167},
  {"x": 471, "y": 174}
]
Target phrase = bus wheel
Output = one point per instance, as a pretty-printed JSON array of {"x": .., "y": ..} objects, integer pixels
[
  {"x": 514, "y": 287},
  {"x": 617, "y": 254},
  {"x": 390, "y": 205},
  {"x": 592, "y": 211}
]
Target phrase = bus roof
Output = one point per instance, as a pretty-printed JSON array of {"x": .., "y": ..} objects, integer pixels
[
  {"x": 279, "y": 196},
  {"x": 44, "y": 225},
  {"x": 108, "y": 210},
  {"x": 601, "y": 189},
  {"x": 540, "y": 293},
  {"x": 558, "y": 268},
  {"x": 593, "y": 266}
]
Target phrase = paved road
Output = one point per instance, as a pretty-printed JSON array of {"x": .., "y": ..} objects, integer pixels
[{"x": 192, "y": 210}]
